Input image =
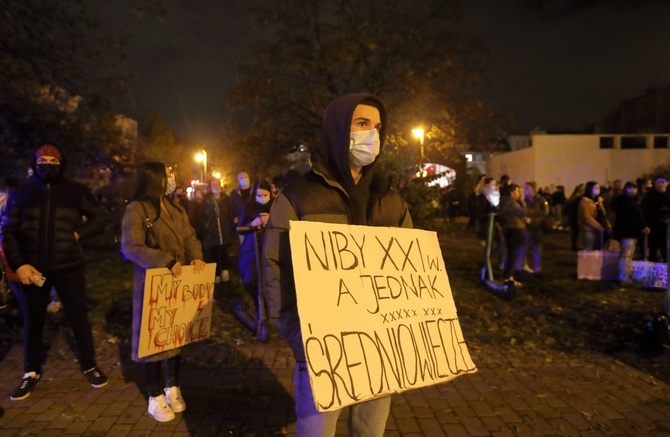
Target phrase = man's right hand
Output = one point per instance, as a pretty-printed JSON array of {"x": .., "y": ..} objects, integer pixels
[{"x": 26, "y": 273}]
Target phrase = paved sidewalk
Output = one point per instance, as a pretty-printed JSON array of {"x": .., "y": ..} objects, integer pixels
[{"x": 245, "y": 390}]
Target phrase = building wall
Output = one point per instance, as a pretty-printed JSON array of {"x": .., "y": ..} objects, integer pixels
[{"x": 573, "y": 159}]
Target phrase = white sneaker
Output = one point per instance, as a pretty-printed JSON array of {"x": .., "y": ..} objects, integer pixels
[
  {"x": 173, "y": 395},
  {"x": 225, "y": 275},
  {"x": 159, "y": 408}
]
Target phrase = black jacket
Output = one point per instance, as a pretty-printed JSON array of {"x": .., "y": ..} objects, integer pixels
[
  {"x": 216, "y": 221},
  {"x": 41, "y": 218},
  {"x": 629, "y": 221},
  {"x": 324, "y": 194}
]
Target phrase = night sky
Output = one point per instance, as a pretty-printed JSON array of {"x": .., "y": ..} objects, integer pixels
[{"x": 551, "y": 69}]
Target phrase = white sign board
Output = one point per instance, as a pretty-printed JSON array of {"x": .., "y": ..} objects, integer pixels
[
  {"x": 176, "y": 311},
  {"x": 376, "y": 311}
]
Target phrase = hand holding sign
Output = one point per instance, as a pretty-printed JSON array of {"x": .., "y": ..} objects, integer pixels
[{"x": 177, "y": 309}]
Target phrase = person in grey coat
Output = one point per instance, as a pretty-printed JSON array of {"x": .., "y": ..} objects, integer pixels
[{"x": 178, "y": 245}]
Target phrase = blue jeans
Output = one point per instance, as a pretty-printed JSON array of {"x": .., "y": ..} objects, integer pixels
[
  {"x": 366, "y": 419},
  {"x": 626, "y": 251}
]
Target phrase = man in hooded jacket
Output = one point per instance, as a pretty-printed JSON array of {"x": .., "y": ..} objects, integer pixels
[
  {"x": 342, "y": 187},
  {"x": 41, "y": 231}
]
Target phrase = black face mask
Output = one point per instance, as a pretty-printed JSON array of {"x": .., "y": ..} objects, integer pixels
[{"x": 48, "y": 172}]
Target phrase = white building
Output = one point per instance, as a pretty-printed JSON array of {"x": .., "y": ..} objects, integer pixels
[{"x": 573, "y": 159}]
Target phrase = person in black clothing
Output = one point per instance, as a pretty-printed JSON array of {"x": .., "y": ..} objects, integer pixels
[
  {"x": 656, "y": 210},
  {"x": 472, "y": 203},
  {"x": 255, "y": 214},
  {"x": 572, "y": 211},
  {"x": 218, "y": 233},
  {"x": 239, "y": 196},
  {"x": 628, "y": 225},
  {"x": 558, "y": 203},
  {"x": 41, "y": 231}
]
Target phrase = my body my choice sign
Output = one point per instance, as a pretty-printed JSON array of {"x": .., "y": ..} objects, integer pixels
[
  {"x": 376, "y": 311},
  {"x": 176, "y": 311}
]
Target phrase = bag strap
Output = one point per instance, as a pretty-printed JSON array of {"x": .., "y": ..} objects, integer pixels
[{"x": 149, "y": 222}]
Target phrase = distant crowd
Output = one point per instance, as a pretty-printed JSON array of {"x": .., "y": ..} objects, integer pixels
[{"x": 618, "y": 216}]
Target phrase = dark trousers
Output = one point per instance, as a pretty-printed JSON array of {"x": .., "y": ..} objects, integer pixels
[
  {"x": 218, "y": 255},
  {"x": 515, "y": 240},
  {"x": 657, "y": 242},
  {"x": 152, "y": 374},
  {"x": 33, "y": 301}
]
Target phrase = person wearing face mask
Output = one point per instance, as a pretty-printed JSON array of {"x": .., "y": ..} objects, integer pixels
[
  {"x": 240, "y": 195},
  {"x": 592, "y": 218},
  {"x": 177, "y": 246},
  {"x": 341, "y": 187},
  {"x": 42, "y": 229},
  {"x": 255, "y": 215}
]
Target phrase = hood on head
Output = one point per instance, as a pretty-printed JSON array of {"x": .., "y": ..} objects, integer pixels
[
  {"x": 33, "y": 158},
  {"x": 333, "y": 149}
]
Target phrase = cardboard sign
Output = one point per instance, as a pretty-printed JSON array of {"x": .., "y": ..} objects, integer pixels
[
  {"x": 176, "y": 312},
  {"x": 376, "y": 311}
]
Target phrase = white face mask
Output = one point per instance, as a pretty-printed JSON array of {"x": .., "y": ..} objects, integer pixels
[
  {"x": 596, "y": 192},
  {"x": 171, "y": 186},
  {"x": 263, "y": 198},
  {"x": 363, "y": 147}
]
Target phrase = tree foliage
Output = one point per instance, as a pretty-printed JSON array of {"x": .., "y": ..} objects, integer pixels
[
  {"x": 58, "y": 68},
  {"x": 410, "y": 53}
]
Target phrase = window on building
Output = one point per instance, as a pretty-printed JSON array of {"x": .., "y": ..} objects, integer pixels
[
  {"x": 606, "y": 142},
  {"x": 660, "y": 142},
  {"x": 634, "y": 142}
]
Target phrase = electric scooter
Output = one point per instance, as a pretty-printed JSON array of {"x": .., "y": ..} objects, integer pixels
[
  {"x": 257, "y": 323},
  {"x": 504, "y": 289}
]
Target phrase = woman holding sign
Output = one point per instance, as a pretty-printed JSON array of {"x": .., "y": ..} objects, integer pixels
[{"x": 175, "y": 244}]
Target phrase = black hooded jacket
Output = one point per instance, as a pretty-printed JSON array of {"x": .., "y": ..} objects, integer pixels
[
  {"x": 41, "y": 218},
  {"x": 328, "y": 194}
]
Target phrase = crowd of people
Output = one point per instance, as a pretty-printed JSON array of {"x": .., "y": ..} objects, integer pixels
[
  {"x": 44, "y": 219},
  {"x": 616, "y": 217}
]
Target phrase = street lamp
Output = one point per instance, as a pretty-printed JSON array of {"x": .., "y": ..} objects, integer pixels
[
  {"x": 419, "y": 133},
  {"x": 202, "y": 157}
]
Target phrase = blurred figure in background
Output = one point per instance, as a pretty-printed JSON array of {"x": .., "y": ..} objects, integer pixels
[
  {"x": 217, "y": 231},
  {"x": 629, "y": 224},
  {"x": 592, "y": 218},
  {"x": 656, "y": 210},
  {"x": 537, "y": 210},
  {"x": 572, "y": 211},
  {"x": 513, "y": 220},
  {"x": 256, "y": 214}
]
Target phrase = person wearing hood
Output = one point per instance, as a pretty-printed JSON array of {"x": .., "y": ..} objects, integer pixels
[
  {"x": 254, "y": 218},
  {"x": 42, "y": 229},
  {"x": 341, "y": 187}
]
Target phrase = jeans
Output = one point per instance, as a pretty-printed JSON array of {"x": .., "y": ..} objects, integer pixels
[
  {"x": 152, "y": 375},
  {"x": 591, "y": 240},
  {"x": 515, "y": 239},
  {"x": 626, "y": 251},
  {"x": 367, "y": 419},
  {"x": 33, "y": 301}
]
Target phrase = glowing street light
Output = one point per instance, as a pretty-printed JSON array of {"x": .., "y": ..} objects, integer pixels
[
  {"x": 202, "y": 157},
  {"x": 419, "y": 133}
]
